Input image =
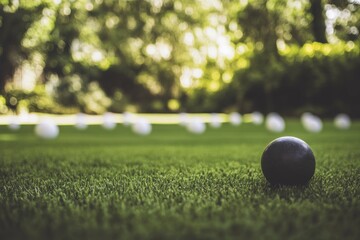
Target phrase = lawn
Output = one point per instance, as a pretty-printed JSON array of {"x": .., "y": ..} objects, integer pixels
[{"x": 100, "y": 184}]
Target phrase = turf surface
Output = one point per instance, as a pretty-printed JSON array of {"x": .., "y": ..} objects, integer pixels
[{"x": 99, "y": 184}]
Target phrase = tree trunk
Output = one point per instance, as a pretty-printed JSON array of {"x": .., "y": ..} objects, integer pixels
[{"x": 318, "y": 21}]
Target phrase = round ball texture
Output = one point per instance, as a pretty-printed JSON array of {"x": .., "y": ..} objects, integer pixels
[
  {"x": 47, "y": 129},
  {"x": 342, "y": 121},
  {"x": 288, "y": 161},
  {"x": 215, "y": 120},
  {"x": 257, "y": 118},
  {"x": 235, "y": 118},
  {"x": 275, "y": 123},
  {"x": 142, "y": 127},
  {"x": 196, "y": 126},
  {"x": 311, "y": 123},
  {"x": 109, "y": 121},
  {"x": 80, "y": 122}
]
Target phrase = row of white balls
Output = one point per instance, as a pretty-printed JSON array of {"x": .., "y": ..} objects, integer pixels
[
  {"x": 273, "y": 122},
  {"x": 48, "y": 129},
  {"x": 313, "y": 123},
  {"x": 140, "y": 126}
]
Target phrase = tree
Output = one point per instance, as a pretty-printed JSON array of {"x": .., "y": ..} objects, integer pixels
[
  {"x": 318, "y": 21},
  {"x": 14, "y": 23}
]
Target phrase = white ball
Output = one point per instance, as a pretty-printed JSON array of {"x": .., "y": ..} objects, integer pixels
[
  {"x": 142, "y": 127},
  {"x": 128, "y": 118},
  {"x": 257, "y": 118},
  {"x": 342, "y": 121},
  {"x": 215, "y": 120},
  {"x": 80, "y": 121},
  {"x": 14, "y": 123},
  {"x": 312, "y": 123},
  {"x": 235, "y": 118},
  {"x": 183, "y": 119},
  {"x": 306, "y": 116},
  {"x": 196, "y": 125},
  {"x": 274, "y": 122},
  {"x": 47, "y": 129},
  {"x": 109, "y": 121}
]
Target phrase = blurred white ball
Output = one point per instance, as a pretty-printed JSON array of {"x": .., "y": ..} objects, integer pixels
[
  {"x": 235, "y": 118},
  {"x": 215, "y": 120},
  {"x": 142, "y": 127},
  {"x": 257, "y": 118},
  {"x": 342, "y": 121},
  {"x": 196, "y": 125},
  {"x": 312, "y": 123},
  {"x": 14, "y": 123},
  {"x": 109, "y": 121},
  {"x": 183, "y": 119},
  {"x": 305, "y": 117},
  {"x": 128, "y": 118},
  {"x": 47, "y": 129},
  {"x": 274, "y": 122},
  {"x": 80, "y": 121}
]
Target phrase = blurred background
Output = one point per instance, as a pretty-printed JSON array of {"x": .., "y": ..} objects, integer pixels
[{"x": 162, "y": 56}]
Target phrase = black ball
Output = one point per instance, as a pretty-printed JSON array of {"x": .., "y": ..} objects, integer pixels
[{"x": 288, "y": 161}]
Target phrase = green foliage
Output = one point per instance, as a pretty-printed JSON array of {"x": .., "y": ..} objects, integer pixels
[
  {"x": 317, "y": 77},
  {"x": 323, "y": 77},
  {"x": 74, "y": 92},
  {"x": 100, "y": 184},
  {"x": 33, "y": 101},
  {"x": 15, "y": 21},
  {"x": 155, "y": 52}
]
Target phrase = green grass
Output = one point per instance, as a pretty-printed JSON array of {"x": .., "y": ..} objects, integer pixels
[{"x": 98, "y": 184}]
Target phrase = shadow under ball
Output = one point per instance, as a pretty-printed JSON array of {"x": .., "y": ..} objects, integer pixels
[{"x": 288, "y": 161}]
